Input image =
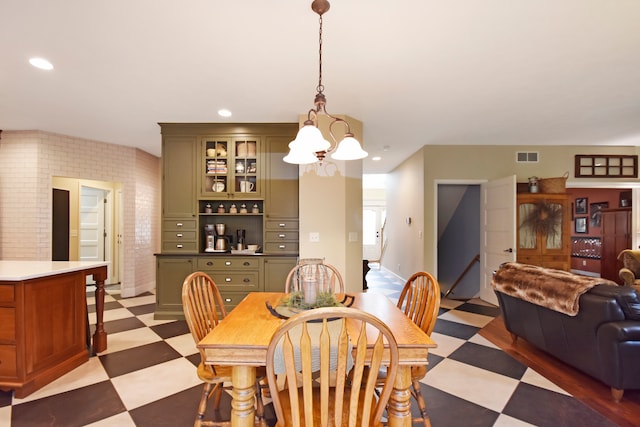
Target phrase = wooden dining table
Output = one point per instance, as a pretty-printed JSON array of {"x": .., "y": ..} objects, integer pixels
[{"x": 241, "y": 340}]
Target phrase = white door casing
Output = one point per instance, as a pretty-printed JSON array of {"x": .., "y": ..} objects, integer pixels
[
  {"x": 372, "y": 219},
  {"x": 497, "y": 230}
]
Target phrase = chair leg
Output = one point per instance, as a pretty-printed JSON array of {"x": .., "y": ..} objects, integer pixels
[
  {"x": 417, "y": 394},
  {"x": 259, "y": 404},
  {"x": 202, "y": 407}
]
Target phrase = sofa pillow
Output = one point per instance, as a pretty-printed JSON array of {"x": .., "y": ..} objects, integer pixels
[{"x": 630, "y": 261}]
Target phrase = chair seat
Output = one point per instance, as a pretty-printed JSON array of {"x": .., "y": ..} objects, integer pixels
[{"x": 286, "y": 406}]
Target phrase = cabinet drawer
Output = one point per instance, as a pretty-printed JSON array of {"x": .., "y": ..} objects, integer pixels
[
  {"x": 241, "y": 281},
  {"x": 175, "y": 247},
  {"x": 179, "y": 224},
  {"x": 282, "y": 236},
  {"x": 284, "y": 224},
  {"x": 8, "y": 361},
  {"x": 7, "y": 324},
  {"x": 178, "y": 236},
  {"x": 282, "y": 247},
  {"x": 7, "y": 293},
  {"x": 229, "y": 263},
  {"x": 231, "y": 299}
]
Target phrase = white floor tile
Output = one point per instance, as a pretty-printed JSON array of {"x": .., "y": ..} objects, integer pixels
[
  {"x": 473, "y": 319},
  {"x": 86, "y": 374},
  {"x": 134, "y": 301},
  {"x": 156, "y": 382},
  {"x": 479, "y": 339},
  {"x": 450, "y": 304},
  {"x": 148, "y": 320},
  {"x": 91, "y": 300},
  {"x": 446, "y": 344},
  {"x": 130, "y": 339},
  {"x": 5, "y": 416},
  {"x": 507, "y": 421},
  {"x": 122, "y": 419},
  {"x": 183, "y": 344},
  {"x": 109, "y": 315},
  {"x": 476, "y": 385},
  {"x": 532, "y": 377}
]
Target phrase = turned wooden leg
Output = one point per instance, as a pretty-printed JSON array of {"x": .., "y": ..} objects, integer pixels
[
  {"x": 399, "y": 407},
  {"x": 243, "y": 396},
  {"x": 421, "y": 403},
  {"x": 617, "y": 394},
  {"x": 99, "y": 336}
]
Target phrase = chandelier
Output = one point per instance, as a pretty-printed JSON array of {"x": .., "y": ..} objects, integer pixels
[{"x": 309, "y": 145}]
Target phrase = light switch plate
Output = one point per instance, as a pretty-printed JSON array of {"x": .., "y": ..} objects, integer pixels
[{"x": 314, "y": 237}]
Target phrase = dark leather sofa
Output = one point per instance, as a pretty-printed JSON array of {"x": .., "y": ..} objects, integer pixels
[{"x": 602, "y": 340}]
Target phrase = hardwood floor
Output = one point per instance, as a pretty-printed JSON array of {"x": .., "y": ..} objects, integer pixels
[{"x": 582, "y": 387}]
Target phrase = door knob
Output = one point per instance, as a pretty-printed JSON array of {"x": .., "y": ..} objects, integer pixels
[{"x": 510, "y": 250}]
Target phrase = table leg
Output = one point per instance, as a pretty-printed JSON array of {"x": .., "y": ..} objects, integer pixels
[
  {"x": 243, "y": 380},
  {"x": 99, "y": 336},
  {"x": 399, "y": 409}
]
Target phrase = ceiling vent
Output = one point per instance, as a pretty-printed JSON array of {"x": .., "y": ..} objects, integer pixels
[{"x": 527, "y": 157}]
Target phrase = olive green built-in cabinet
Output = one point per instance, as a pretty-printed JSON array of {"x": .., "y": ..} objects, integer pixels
[{"x": 231, "y": 174}]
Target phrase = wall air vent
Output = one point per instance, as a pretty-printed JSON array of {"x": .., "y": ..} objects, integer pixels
[{"x": 527, "y": 157}]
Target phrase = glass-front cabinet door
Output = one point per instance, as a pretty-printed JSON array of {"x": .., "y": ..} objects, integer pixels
[{"x": 231, "y": 167}]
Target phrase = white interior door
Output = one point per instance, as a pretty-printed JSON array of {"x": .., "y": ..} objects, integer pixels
[
  {"x": 497, "y": 230},
  {"x": 372, "y": 220},
  {"x": 92, "y": 224}
]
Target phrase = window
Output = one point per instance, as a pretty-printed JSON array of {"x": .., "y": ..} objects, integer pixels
[{"x": 606, "y": 166}]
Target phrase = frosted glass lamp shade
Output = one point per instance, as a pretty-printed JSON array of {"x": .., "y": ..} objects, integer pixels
[{"x": 349, "y": 149}]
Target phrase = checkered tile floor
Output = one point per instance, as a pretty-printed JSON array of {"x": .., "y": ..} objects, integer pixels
[{"x": 147, "y": 376}]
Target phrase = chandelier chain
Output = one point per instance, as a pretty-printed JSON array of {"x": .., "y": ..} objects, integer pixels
[{"x": 320, "y": 87}]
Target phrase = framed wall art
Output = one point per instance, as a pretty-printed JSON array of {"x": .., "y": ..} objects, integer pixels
[
  {"x": 581, "y": 224},
  {"x": 581, "y": 206}
]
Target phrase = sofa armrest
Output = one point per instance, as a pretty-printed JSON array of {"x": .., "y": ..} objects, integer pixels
[
  {"x": 619, "y": 352},
  {"x": 627, "y": 276}
]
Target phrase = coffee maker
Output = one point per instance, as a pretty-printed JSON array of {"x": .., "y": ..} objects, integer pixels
[{"x": 222, "y": 241}]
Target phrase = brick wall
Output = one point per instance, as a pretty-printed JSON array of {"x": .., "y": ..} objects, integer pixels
[{"x": 28, "y": 162}]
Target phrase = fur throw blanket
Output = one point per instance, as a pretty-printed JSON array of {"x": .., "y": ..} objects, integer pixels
[{"x": 554, "y": 289}]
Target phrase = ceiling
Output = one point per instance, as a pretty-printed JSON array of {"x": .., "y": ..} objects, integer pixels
[{"x": 414, "y": 72}]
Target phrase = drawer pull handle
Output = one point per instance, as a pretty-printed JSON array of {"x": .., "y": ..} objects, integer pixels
[
  {"x": 179, "y": 224},
  {"x": 246, "y": 280},
  {"x": 209, "y": 263},
  {"x": 179, "y": 246},
  {"x": 227, "y": 263},
  {"x": 282, "y": 225},
  {"x": 282, "y": 236},
  {"x": 282, "y": 246},
  {"x": 246, "y": 263},
  {"x": 228, "y": 300},
  {"x": 227, "y": 279},
  {"x": 178, "y": 234}
]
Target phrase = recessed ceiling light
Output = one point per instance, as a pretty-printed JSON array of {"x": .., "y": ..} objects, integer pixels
[
  {"x": 224, "y": 113},
  {"x": 41, "y": 63},
  {"x": 376, "y": 158}
]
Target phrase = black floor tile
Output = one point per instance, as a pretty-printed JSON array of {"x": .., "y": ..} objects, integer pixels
[
  {"x": 5, "y": 398},
  {"x": 142, "y": 309},
  {"x": 447, "y": 410},
  {"x": 77, "y": 407},
  {"x": 120, "y": 325},
  {"x": 144, "y": 356},
  {"x": 490, "y": 359},
  {"x": 111, "y": 305},
  {"x": 545, "y": 408},
  {"x": 173, "y": 329},
  {"x": 455, "y": 329},
  {"x": 479, "y": 309}
]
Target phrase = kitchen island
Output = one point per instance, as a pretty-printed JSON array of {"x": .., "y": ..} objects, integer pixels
[{"x": 43, "y": 320}]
